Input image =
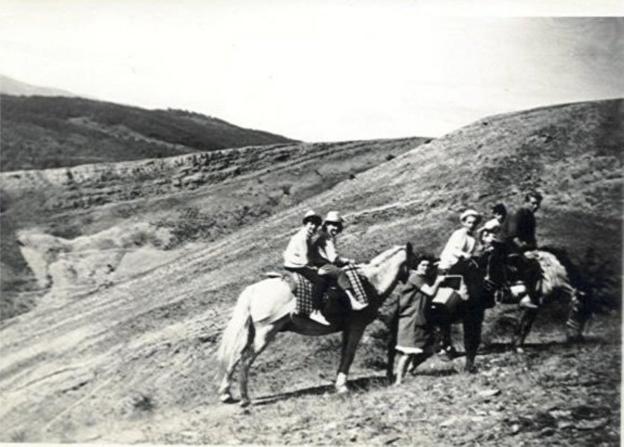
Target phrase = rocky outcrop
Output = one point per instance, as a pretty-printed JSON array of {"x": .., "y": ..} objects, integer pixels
[{"x": 89, "y": 262}]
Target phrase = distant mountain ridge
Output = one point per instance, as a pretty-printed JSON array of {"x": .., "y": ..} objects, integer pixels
[
  {"x": 41, "y": 132},
  {"x": 10, "y": 86}
]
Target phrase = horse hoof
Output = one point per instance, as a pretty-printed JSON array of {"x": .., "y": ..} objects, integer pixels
[
  {"x": 342, "y": 389},
  {"x": 519, "y": 350},
  {"x": 470, "y": 369},
  {"x": 244, "y": 403},
  {"x": 226, "y": 398}
]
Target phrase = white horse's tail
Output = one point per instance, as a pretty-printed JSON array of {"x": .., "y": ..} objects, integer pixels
[{"x": 236, "y": 334}]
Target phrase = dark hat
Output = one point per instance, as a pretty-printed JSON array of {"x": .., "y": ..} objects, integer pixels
[{"x": 311, "y": 216}]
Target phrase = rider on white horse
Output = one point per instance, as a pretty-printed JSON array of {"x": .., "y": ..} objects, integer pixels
[
  {"x": 297, "y": 259},
  {"x": 330, "y": 264}
]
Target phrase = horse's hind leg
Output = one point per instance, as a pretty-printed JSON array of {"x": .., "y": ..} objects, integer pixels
[
  {"x": 261, "y": 339},
  {"x": 523, "y": 329},
  {"x": 225, "y": 394}
]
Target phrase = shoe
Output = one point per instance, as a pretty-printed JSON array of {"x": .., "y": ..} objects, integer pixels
[
  {"x": 526, "y": 302},
  {"x": 355, "y": 304},
  {"x": 448, "y": 351},
  {"x": 317, "y": 316}
]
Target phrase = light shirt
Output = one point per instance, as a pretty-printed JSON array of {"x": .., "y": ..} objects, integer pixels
[
  {"x": 460, "y": 243},
  {"x": 297, "y": 252}
]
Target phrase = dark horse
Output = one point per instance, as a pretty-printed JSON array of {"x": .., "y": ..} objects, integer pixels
[{"x": 553, "y": 282}]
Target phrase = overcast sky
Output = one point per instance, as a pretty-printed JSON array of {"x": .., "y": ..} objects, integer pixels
[{"x": 320, "y": 70}]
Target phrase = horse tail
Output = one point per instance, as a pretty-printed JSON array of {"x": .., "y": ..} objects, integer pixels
[
  {"x": 236, "y": 334},
  {"x": 557, "y": 276}
]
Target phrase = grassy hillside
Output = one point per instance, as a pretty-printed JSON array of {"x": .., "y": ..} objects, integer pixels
[
  {"x": 196, "y": 197},
  {"x": 49, "y": 132},
  {"x": 134, "y": 362}
]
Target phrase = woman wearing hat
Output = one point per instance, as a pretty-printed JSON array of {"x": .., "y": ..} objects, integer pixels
[
  {"x": 297, "y": 258},
  {"x": 329, "y": 263}
]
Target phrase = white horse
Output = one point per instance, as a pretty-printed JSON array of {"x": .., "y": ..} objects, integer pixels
[{"x": 265, "y": 308}]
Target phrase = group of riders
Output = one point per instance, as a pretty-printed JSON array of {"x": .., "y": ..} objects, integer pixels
[{"x": 499, "y": 244}]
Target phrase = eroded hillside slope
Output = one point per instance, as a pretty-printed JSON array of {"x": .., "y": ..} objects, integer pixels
[
  {"x": 194, "y": 197},
  {"x": 105, "y": 365}
]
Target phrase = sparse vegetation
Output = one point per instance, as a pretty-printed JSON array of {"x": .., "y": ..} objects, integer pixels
[{"x": 51, "y": 132}]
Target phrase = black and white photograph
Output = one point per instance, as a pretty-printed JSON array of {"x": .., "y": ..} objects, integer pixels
[{"x": 311, "y": 222}]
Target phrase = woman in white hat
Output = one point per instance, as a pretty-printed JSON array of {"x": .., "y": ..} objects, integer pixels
[
  {"x": 462, "y": 244},
  {"x": 297, "y": 258},
  {"x": 329, "y": 263}
]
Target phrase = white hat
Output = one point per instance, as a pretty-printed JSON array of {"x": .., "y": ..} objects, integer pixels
[
  {"x": 470, "y": 212},
  {"x": 335, "y": 217},
  {"x": 312, "y": 216}
]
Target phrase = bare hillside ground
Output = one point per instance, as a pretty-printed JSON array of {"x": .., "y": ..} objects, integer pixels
[{"x": 134, "y": 362}]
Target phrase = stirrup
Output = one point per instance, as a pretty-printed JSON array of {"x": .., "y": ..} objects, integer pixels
[{"x": 317, "y": 316}]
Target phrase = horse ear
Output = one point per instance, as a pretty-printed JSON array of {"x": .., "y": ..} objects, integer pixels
[{"x": 409, "y": 248}]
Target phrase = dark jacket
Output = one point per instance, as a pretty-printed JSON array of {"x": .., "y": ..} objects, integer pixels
[{"x": 521, "y": 225}]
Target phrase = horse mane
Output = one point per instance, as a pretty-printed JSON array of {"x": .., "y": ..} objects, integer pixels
[{"x": 384, "y": 256}]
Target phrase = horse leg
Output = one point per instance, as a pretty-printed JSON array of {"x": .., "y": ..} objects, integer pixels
[
  {"x": 402, "y": 367},
  {"x": 350, "y": 338},
  {"x": 577, "y": 317},
  {"x": 225, "y": 394},
  {"x": 260, "y": 339},
  {"x": 523, "y": 329},
  {"x": 472, "y": 337},
  {"x": 392, "y": 341}
]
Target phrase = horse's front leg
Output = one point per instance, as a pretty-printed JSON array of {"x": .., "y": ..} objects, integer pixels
[{"x": 351, "y": 336}]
